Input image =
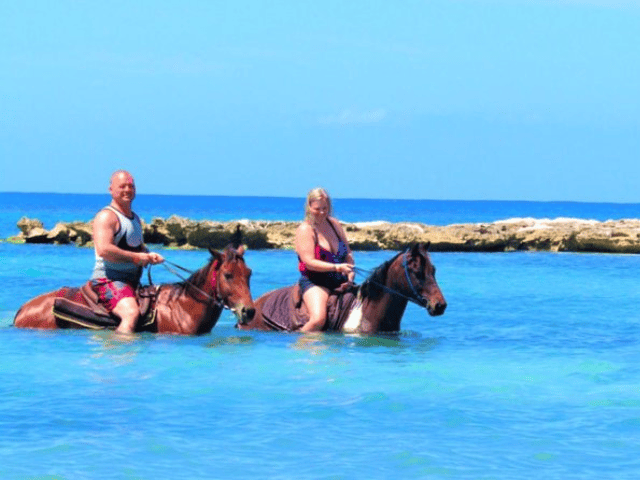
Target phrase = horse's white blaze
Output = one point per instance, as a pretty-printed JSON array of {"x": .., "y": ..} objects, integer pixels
[{"x": 352, "y": 325}]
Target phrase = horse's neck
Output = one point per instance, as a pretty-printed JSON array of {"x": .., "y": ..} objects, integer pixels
[
  {"x": 205, "y": 287},
  {"x": 196, "y": 295},
  {"x": 186, "y": 310},
  {"x": 384, "y": 312}
]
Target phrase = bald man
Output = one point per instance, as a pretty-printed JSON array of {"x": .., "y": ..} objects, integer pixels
[{"x": 120, "y": 253}]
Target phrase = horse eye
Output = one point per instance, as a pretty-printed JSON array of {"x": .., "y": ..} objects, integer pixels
[{"x": 228, "y": 276}]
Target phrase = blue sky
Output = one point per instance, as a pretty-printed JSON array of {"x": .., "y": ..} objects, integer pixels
[{"x": 432, "y": 99}]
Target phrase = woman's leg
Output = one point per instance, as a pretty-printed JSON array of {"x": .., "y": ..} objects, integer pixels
[{"x": 315, "y": 298}]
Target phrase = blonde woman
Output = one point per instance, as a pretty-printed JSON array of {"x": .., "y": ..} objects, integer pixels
[{"x": 325, "y": 260}]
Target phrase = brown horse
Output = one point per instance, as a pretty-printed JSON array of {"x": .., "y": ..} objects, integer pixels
[
  {"x": 376, "y": 306},
  {"x": 191, "y": 307}
]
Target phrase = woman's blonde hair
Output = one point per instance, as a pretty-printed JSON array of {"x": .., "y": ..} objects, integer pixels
[{"x": 317, "y": 193}]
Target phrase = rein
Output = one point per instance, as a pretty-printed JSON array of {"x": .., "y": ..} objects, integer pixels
[
  {"x": 406, "y": 274},
  {"x": 212, "y": 299},
  {"x": 417, "y": 299}
]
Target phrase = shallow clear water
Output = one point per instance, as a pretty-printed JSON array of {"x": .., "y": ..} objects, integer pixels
[{"x": 533, "y": 371}]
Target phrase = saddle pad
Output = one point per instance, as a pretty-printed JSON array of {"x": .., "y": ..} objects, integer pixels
[
  {"x": 80, "y": 306},
  {"x": 278, "y": 312},
  {"x": 70, "y": 311},
  {"x": 338, "y": 308}
]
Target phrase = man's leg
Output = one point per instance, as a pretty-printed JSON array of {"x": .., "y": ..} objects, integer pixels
[
  {"x": 120, "y": 299},
  {"x": 128, "y": 311}
]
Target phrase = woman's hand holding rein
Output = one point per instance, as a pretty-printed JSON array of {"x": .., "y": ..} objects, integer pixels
[{"x": 343, "y": 268}]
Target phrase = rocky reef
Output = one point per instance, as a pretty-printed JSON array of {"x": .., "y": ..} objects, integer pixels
[{"x": 528, "y": 234}]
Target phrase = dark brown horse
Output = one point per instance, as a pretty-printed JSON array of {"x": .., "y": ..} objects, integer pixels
[
  {"x": 191, "y": 307},
  {"x": 376, "y": 306}
]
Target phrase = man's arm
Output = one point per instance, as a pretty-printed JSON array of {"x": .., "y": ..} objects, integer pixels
[{"x": 105, "y": 226}]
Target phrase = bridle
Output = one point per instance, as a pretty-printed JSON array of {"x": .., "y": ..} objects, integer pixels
[
  {"x": 211, "y": 300},
  {"x": 417, "y": 298}
]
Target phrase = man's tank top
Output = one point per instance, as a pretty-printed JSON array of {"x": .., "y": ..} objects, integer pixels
[{"x": 128, "y": 237}]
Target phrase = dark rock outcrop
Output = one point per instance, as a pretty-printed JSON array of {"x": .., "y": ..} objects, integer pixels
[{"x": 614, "y": 236}]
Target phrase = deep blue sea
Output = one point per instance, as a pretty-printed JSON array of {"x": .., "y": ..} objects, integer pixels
[{"x": 532, "y": 372}]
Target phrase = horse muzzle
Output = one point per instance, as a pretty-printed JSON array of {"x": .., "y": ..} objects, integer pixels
[
  {"x": 244, "y": 314},
  {"x": 436, "y": 308}
]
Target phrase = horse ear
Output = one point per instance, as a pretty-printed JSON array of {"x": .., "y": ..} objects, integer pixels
[
  {"x": 240, "y": 250},
  {"x": 216, "y": 255},
  {"x": 419, "y": 247}
]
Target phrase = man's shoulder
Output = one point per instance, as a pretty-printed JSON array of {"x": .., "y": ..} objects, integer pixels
[{"x": 106, "y": 216}]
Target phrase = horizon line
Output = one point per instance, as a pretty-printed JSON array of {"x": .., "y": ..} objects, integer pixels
[{"x": 106, "y": 194}]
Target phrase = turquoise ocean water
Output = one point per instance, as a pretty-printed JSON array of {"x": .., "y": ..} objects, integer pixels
[{"x": 532, "y": 372}]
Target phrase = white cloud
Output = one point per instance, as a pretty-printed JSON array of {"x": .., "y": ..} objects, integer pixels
[{"x": 350, "y": 117}]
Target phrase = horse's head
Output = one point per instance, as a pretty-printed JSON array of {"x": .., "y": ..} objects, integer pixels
[
  {"x": 419, "y": 278},
  {"x": 232, "y": 280}
]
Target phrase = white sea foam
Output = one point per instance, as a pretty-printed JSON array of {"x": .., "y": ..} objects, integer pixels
[
  {"x": 547, "y": 223},
  {"x": 557, "y": 220},
  {"x": 375, "y": 223}
]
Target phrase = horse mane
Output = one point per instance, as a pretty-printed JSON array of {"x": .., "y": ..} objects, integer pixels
[
  {"x": 199, "y": 276},
  {"x": 371, "y": 287}
]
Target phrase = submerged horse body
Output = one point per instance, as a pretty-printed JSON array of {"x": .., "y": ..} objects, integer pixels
[
  {"x": 376, "y": 306},
  {"x": 191, "y": 307}
]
